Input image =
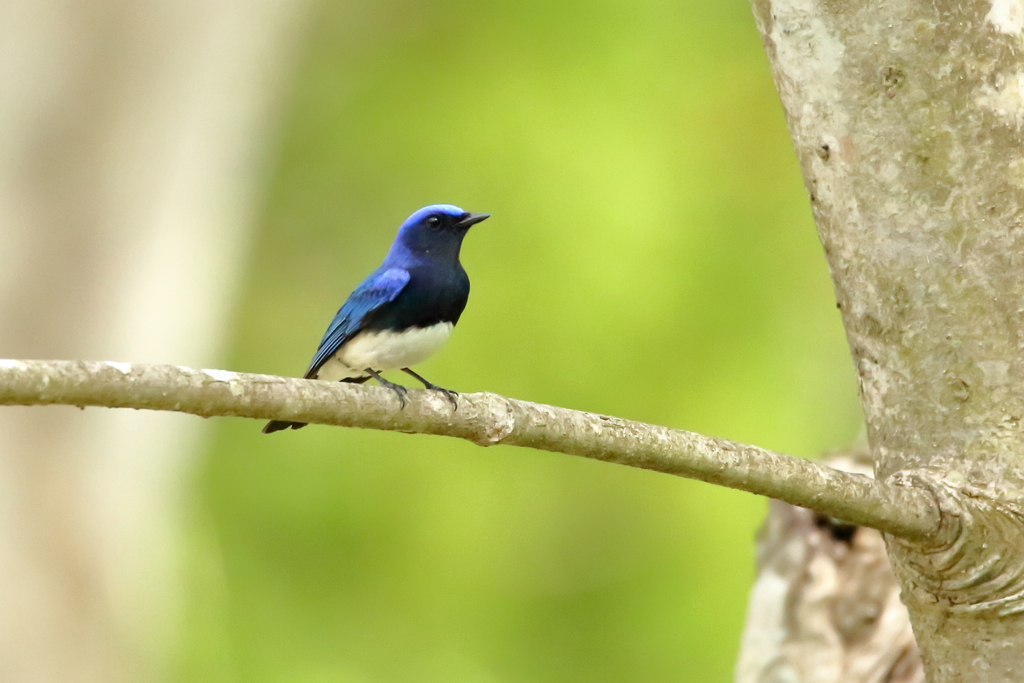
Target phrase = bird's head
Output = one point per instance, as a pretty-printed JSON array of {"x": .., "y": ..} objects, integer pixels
[{"x": 437, "y": 230}]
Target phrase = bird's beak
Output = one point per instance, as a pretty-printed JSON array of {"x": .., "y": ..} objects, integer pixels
[{"x": 472, "y": 219}]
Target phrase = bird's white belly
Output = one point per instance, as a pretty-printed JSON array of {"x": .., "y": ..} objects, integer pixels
[{"x": 383, "y": 350}]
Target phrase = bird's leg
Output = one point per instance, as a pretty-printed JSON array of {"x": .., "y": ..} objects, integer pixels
[
  {"x": 399, "y": 390},
  {"x": 452, "y": 396}
]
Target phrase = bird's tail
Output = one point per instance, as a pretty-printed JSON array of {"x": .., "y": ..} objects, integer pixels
[{"x": 278, "y": 425}]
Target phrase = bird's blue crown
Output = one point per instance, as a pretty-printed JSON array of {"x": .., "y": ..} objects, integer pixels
[{"x": 420, "y": 214}]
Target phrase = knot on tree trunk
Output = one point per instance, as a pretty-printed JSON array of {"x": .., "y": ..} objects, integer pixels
[{"x": 975, "y": 564}]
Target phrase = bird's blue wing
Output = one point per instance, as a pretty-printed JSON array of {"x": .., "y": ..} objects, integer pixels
[{"x": 381, "y": 287}]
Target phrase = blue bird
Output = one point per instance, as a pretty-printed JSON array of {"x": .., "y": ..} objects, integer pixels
[{"x": 404, "y": 311}]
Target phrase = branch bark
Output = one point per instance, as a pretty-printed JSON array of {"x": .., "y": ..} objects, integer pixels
[{"x": 485, "y": 419}]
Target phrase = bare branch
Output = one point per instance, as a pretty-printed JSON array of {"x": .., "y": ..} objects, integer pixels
[{"x": 485, "y": 419}]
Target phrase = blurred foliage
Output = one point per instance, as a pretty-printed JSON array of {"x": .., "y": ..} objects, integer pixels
[{"x": 651, "y": 256}]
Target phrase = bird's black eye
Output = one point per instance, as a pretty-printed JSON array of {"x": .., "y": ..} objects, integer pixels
[{"x": 434, "y": 221}]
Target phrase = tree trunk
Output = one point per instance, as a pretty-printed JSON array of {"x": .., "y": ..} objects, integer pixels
[{"x": 906, "y": 116}]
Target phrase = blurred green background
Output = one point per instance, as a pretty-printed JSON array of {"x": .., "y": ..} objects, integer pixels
[{"x": 651, "y": 255}]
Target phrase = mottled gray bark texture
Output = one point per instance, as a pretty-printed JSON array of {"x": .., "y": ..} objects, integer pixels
[
  {"x": 484, "y": 419},
  {"x": 907, "y": 119}
]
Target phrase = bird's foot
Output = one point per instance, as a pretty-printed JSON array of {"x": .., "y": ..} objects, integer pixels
[
  {"x": 399, "y": 390},
  {"x": 452, "y": 396}
]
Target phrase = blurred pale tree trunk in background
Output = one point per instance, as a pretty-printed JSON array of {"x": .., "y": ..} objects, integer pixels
[
  {"x": 825, "y": 607},
  {"x": 131, "y": 138}
]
